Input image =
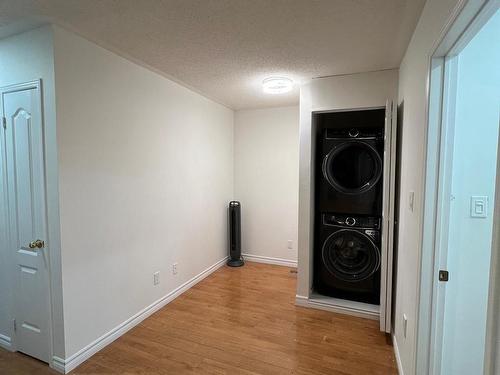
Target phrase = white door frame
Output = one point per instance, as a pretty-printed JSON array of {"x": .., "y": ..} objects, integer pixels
[
  {"x": 467, "y": 18},
  {"x": 31, "y": 85}
]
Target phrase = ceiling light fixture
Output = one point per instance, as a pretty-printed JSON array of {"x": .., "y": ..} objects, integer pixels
[{"x": 277, "y": 85}]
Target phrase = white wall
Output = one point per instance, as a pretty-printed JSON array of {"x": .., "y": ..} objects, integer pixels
[
  {"x": 473, "y": 174},
  {"x": 146, "y": 172},
  {"x": 412, "y": 91},
  {"x": 266, "y": 157},
  {"x": 27, "y": 57}
]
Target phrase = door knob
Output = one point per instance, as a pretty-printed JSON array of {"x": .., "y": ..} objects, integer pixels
[{"x": 37, "y": 244}]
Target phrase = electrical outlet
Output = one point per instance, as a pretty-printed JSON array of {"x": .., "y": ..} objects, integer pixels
[
  {"x": 174, "y": 269},
  {"x": 290, "y": 244},
  {"x": 405, "y": 325},
  {"x": 156, "y": 278}
]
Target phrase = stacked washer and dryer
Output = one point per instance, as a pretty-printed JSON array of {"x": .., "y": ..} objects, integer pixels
[{"x": 348, "y": 204}]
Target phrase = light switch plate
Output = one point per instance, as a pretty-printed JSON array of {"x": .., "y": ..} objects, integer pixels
[
  {"x": 411, "y": 200},
  {"x": 405, "y": 325},
  {"x": 479, "y": 206}
]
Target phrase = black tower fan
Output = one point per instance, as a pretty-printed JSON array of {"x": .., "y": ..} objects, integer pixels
[{"x": 235, "y": 259}]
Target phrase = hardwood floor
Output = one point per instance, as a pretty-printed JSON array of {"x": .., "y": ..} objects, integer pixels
[{"x": 237, "y": 321}]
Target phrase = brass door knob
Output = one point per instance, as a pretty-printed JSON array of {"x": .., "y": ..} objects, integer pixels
[{"x": 37, "y": 244}]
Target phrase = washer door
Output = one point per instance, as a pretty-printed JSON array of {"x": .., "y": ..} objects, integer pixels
[
  {"x": 350, "y": 255},
  {"x": 352, "y": 167}
]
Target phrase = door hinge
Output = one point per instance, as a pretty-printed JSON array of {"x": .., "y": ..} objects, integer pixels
[
  {"x": 444, "y": 275},
  {"x": 15, "y": 325},
  {"x": 4, "y": 122}
]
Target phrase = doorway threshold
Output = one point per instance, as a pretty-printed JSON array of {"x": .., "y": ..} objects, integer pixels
[{"x": 341, "y": 306}]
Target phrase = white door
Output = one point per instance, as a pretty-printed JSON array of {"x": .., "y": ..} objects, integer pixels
[
  {"x": 23, "y": 156},
  {"x": 467, "y": 176},
  {"x": 388, "y": 219}
]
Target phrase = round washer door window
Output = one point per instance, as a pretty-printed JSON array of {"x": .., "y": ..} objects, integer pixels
[
  {"x": 350, "y": 255},
  {"x": 352, "y": 167}
]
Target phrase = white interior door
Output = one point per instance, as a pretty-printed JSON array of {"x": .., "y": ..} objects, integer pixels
[
  {"x": 388, "y": 219},
  {"x": 24, "y": 162},
  {"x": 467, "y": 175}
]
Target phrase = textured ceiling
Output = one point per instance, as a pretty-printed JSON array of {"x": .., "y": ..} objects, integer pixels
[{"x": 225, "y": 48}]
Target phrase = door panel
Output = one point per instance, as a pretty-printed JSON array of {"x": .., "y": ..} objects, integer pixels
[
  {"x": 26, "y": 205},
  {"x": 467, "y": 187},
  {"x": 388, "y": 219}
]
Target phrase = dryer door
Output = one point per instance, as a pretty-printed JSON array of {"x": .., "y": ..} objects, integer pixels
[
  {"x": 350, "y": 255},
  {"x": 353, "y": 167}
]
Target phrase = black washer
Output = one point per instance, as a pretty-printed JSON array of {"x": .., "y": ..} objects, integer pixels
[
  {"x": 347, "y": 257},
  {"x": 350, "y": 255}
]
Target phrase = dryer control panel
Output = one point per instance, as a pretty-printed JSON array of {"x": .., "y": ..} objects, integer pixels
[{"x": 354, "y": 132}]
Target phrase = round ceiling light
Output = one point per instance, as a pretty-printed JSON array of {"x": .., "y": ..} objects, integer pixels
[{"x": 277, "y": 85}]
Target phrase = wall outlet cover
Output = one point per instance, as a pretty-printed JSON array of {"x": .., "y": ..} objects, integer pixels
[
  {"x": 290, "y": 244},
  {"x": 156, "y": 278},
  {"x": 174, "y": 269}
]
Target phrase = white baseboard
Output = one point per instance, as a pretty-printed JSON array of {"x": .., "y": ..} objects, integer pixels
[
  {"x": 396, "y": 354},
  {"x": 68, "y": 364},
  {"x": 361, "y": 310},
  {"x": 270, "y": 260},
  {"x": 5, "y": 342},
  {"x": 58, "y": 364}
]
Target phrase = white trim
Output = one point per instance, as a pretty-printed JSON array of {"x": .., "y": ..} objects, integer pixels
[
  {"x": 270, "y": 260},
  {"x": 426, "y": 257},
  {"x": 30, "y": 85},
  {"x": 68, "y": 364},
  {"x": 6, "y": 343},
  {"x": 442, "y": 202},
  {"x": 396, "y": 354},
  {"x": 492, "y": 329},
  {"x": 358, "y": 309},
  {"x": 58, "y": 364}
]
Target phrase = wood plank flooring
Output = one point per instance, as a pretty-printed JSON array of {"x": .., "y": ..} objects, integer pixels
[{"x": 237, "y": 321}]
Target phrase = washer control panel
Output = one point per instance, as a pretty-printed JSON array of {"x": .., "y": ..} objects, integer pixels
[{"x": 352, "y": 221}]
